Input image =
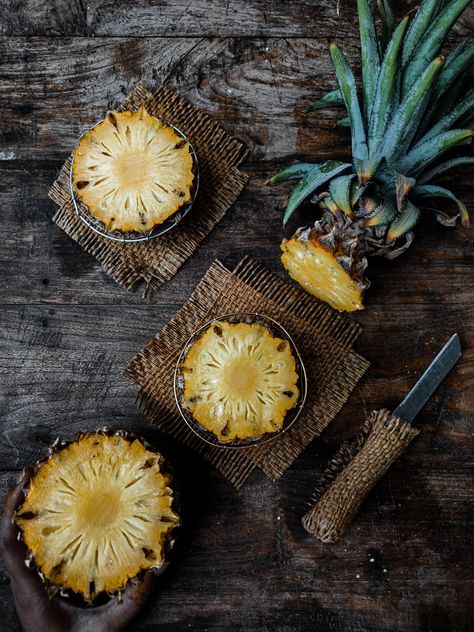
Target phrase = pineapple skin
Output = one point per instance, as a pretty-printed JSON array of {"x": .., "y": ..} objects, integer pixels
[{"x": 111, "y": 583}]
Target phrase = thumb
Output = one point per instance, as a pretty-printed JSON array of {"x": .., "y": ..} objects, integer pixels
[{"x": 134, "y": 598}]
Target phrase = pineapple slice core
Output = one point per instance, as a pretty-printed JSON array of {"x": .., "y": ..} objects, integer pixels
[
  {"x": 240, "y": 380},
  {"x": 97, "y": 513},
  {"x": 316, "y": 269},
  {"x": 132, "y": 171}
]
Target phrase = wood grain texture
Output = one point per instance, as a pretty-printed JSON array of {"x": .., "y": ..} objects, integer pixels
[
  {"x": 178, "y": 18},
  {"x": 244, "y": 561}
]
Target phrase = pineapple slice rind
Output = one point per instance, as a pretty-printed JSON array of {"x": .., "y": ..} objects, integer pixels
[
  {"x": 240, "y": 380},
  {"x": 132, "y": 171},
  {"x": 317, "y": 270},
  {"x": 97, "y": 512}
]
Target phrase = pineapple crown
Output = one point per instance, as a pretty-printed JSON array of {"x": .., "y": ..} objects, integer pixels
[{"x": 416, "y": 106}]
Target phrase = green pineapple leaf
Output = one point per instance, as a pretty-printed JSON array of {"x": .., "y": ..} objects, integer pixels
[
  {"x": 448, "y": 84},
  {"x": 463, "y": 108},
  {"x": 330, "y": 99},
  {"x": 347, "y": 85},
  {"x": 340, "y": 192},
  {"x": 425, "y": 153},
  {"x": 370, "y": 54},
  {"x": 386, "y": 94},
  {"x": 318, "y": 176},
  {"x": 442, "y": 168},
  {"x": 388, "y": 22},
  {"x": 408, "y": 115},
  {"x": 427, "y": 191},
  {"x": 420, "y": 24},
  {"x": 382, "y": 215},
  {"x": 293, "y": 172},
  {"x": 344, "y": 122},
  {"x": 430, "y": 45},
  {"x": 404, "y": 222}
]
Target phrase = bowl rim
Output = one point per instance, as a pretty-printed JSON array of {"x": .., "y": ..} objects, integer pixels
[
  {"x": 241, "y": 444},
  {"x": 131, "y": 237}
]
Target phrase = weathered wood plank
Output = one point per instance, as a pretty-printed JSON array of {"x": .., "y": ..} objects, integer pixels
[
  {"x": 44, "y": 113},
  {"x": 61, "y": 370},
  {"x": 41, "y": 264},
  {"x": 276, "y": 18},
  {"x": 60, "y": 374}
]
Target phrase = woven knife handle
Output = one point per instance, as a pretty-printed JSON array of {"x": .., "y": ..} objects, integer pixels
[{"x": 384, "y": 439}]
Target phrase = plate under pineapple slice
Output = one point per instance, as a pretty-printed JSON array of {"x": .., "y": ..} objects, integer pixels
[
  {"x": 132, "y": 171},
  {"x": 97, "y": 512},
  {"x": 240, "y": 380}
]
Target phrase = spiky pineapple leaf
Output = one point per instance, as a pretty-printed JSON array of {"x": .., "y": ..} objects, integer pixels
[
  {"x": 344, "y": 122},
  {"x": 463, "y": 108},
  {"x": 430, "y": 45},
  {"x": 418, "y": 28},
  {"x": 330, "y": 99},
  {"x": 448, "y": 83},
  {"x": 386, "y": 94},
  {"x": 370, "y": 54},
  {"x": 403, "y": 186},
  {"x": 442, "y": 168},
  {"x": 427, "y": 191},
  {"x": 348, "y": 88},
  {"x": 388, "y": 22},
  {"x": 318, "y": 176},
  {"x": 424, "y": 153},
  {"x": 340, "y": 191},
  {"x": 404, "y": 222},
  {"x": 293, "y": 172},
  {"x": 407, "y": 117},
  {"x": 382, "y": 215}
]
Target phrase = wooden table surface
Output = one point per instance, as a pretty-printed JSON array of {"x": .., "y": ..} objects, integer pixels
[{"x": 67, "y": 330}]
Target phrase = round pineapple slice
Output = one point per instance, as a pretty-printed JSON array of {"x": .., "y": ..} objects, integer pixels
[
  {"x": 132, "y": 171},
  {"x": 97, "y": 512},
  {"x": 240, "y": 380}
]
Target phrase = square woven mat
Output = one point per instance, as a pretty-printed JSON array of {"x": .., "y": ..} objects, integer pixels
[
  {"x": 156, "y": 261},
  {"x": 323, "y": 337}
]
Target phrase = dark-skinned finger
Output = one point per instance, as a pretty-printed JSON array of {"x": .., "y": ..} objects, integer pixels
[
  {"x": 8, "y": 530},
  {"x": 134, "y": 598}
]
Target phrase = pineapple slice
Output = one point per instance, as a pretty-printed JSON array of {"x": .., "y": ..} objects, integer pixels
[
  {"x": 317, "y": 270},
  {"x": 132, "y": 171},
  {"x": 240, "y": 380},
  {"x": 96, "y": 513}
]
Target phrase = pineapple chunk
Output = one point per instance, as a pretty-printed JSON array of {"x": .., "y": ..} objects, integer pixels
[
  {"x": 240, "y": 381},
  {"x": 132, "y": 171},
  {"x": 317, "y": 270},
  {"x": 97, "y": 512}
]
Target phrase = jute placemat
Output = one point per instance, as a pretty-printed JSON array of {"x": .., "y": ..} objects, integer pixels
[
  {"x": 157, "y": 261},
  {"x": 323, "y": 338}
]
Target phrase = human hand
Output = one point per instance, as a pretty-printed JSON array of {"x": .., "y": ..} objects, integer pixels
[{"x": 36, "y": 611}]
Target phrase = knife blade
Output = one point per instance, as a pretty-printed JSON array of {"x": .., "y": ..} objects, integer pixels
[{"x": 430, "y": 380}]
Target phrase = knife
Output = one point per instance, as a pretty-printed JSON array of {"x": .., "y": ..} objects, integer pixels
[{"x": 385, "y": 436}]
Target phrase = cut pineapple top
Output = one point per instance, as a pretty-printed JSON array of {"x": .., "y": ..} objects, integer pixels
[
  {"x": 240, "y": 381},
  {"x": 97, "y": 513},
  {"x": 132, "y": 171}
]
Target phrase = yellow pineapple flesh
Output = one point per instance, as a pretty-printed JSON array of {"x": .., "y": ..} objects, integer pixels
[
  {"x": 96, "y": 513},
  {"x": 132, "y": 171},
  {"x": 317, "y": 270},
  {"x": 240, "y": 381}
]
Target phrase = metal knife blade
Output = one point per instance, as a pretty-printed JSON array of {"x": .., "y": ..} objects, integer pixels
[{"x": 430, "y": 380}]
